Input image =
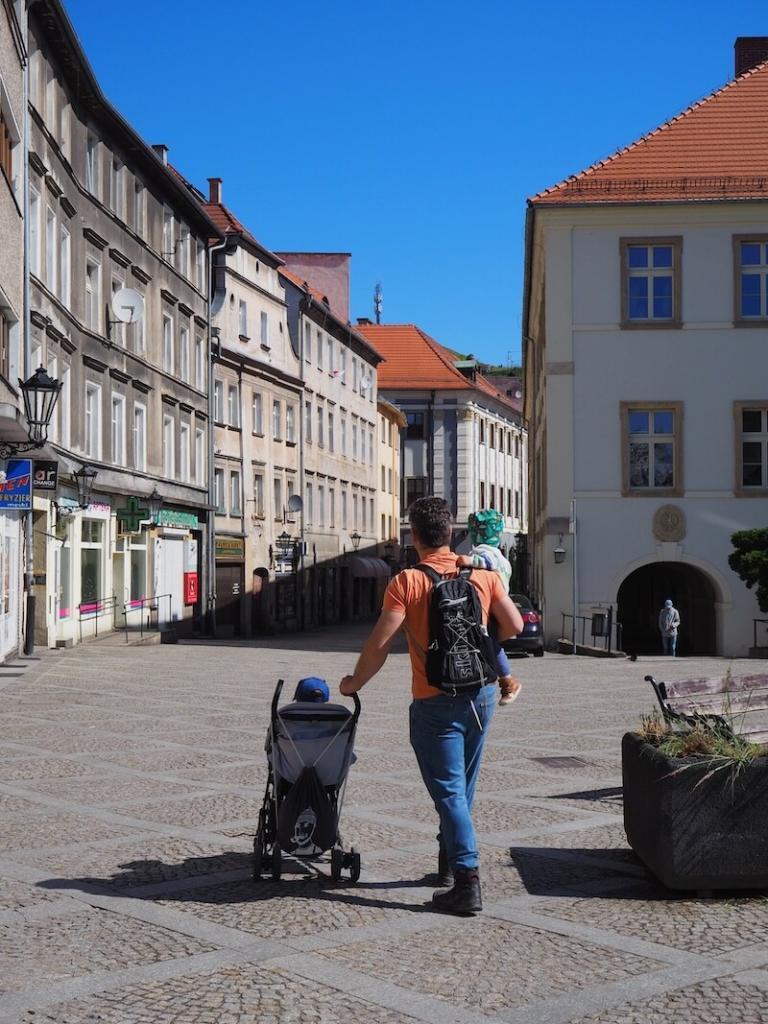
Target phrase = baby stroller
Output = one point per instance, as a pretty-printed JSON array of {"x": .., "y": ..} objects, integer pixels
[{"x": 309, "y": 750}]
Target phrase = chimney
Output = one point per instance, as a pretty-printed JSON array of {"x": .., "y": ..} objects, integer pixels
[
  {"x": 214, "y": 190},
  {"x": 364, "y": 320},
  {"x": 162, "y": 151},
  {"x": 749, "y": 52}
]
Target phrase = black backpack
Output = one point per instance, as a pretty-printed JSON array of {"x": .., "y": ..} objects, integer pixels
[{"x": 460, "y": 657}]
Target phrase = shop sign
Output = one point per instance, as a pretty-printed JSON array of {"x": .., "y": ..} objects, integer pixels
[
  {"x": 45, "y": 476},
  {"x": 230, "y": 549},
  {"x": 16, "y": 489},
  {"x": 131, "y": 517},
  {"x": 180, "y": 520}
]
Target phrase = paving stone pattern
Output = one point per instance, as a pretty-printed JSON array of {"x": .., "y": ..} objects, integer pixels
[{"x": 130, "y": 779}]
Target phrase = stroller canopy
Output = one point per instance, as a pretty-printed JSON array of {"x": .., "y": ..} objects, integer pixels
[{"x": 307, "y": 734}]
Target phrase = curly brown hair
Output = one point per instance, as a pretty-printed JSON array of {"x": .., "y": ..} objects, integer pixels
[{"x": 430, "y": 520}]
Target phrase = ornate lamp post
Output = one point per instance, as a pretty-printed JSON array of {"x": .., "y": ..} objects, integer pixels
[
  {"x": 355, "y": 538},
  {"x": 39, "y": 394},
  {"x": 84, "y": 479},
  {"x": 155, "y": 503}
]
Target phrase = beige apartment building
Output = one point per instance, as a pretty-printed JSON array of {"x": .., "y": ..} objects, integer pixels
[
  {"x": 106, "y": 213},
  {"x": 391, "y": 422},
  {"x": 12, "y": 362}
]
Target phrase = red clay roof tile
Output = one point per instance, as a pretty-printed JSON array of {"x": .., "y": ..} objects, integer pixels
[{"x": 715, "y": 149}]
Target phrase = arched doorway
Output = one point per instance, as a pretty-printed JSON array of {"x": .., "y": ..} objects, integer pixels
[{"x": 644, "y": 591}]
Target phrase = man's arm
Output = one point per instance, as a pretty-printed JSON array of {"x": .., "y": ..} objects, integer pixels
[
  {"x": 505, "y": 612},
  {"x": 375, "y": 651}
]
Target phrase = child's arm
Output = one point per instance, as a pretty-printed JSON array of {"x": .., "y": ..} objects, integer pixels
[{"x": 475, "y": 560}]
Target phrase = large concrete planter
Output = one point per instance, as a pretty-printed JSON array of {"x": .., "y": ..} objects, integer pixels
[{"x": 713, "y": 835}]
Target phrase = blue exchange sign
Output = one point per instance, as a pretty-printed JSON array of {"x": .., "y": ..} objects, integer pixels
[{"x": 16, "y": 489}]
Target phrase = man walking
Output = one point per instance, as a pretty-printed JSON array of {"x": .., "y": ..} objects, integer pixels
[
  {"x": 669, "y": 623},
  {"x": 447, "y": 730}
]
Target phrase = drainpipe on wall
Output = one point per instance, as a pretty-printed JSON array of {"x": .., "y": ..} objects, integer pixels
[
  {"x": 301, "y": 583},
  {"x": 29, "y": 518},
  {"x": 431, "y": 445},
  {"x": 210, "y": 531}
]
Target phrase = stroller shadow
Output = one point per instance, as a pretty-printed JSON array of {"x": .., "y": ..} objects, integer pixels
[{"x": 157, "y": 881}]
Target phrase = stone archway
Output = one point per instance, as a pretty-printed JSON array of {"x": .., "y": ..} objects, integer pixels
[{"x": 644, "y": 591}]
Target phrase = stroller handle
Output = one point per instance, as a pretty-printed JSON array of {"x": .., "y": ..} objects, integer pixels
[{"x": 358, "y": 706}]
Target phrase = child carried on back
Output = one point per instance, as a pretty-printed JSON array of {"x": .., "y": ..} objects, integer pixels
[{"x": 485, "y": 530}]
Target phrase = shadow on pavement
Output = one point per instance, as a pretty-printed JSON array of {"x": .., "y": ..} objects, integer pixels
[
  {"x": 298, "y": 881},
  {"x": 555, "y": 871}
]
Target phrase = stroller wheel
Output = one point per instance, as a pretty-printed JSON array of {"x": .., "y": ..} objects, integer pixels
[
  {"x": 258, "y": 855},
  {"x": 277, "y": 863},
  {"x": 337, "y": 863},
  {"x": 354, "y": 867}
]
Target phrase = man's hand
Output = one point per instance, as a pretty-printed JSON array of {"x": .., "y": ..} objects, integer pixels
[
  {"x": 349, "y": 685},
  {"x": 464, "y": 561}
]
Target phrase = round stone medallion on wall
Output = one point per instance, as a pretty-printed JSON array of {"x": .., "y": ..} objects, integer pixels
[{"x": 669, "y": 523}]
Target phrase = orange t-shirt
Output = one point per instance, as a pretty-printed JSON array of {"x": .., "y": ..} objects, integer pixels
[{"x": 410, "y": 592}]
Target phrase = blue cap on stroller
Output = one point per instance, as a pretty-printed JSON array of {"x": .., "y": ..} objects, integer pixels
[{"x": 312, "y": 689}]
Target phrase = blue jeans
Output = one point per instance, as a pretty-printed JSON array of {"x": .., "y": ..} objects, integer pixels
[
  {"x": 448, "y": 743},
  {"x": 502, "y": 661},
  {"x": 669, "y": 644}
]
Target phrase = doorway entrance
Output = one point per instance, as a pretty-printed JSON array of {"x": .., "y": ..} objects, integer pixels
[
  {"x": 642, "y": 595},
  {"x": 229, "y": 590}
]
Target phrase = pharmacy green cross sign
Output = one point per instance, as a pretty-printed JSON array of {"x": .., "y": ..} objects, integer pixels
[{"x": 131, "y": 517}]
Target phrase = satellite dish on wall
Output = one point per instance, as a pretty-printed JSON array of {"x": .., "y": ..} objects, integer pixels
[
  {"x": 365, "y": 383},
  {"x": 295, "y": 504},
  {"x": 128, "y": 305}
]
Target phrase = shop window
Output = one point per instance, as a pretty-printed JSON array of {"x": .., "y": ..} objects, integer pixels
[{"x": 91, "y": 553}]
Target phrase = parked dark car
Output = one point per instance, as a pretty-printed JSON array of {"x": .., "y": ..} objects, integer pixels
[{"x": 531, "y": 640}]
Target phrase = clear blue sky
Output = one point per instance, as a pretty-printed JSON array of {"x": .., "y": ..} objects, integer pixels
[{"x": 407, "y": 133}]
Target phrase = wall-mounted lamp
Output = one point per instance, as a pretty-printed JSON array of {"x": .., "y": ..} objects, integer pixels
[
  {"x": 559, "y": 551},
  {"x": 84, "y": 479},
  {"x": 155, "y": 503},
  {"x": 355, "y": 538}
]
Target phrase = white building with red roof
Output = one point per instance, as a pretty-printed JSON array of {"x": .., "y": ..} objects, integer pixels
[
  {"x": 644, "y": 332},
  {"x": 464, "y": 439}
]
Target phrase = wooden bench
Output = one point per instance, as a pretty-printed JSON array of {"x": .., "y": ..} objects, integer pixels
[{"x": 721, "y": 700}]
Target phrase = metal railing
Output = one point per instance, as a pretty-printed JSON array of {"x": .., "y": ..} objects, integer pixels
[
  {"x": 92, "y": 611},
  {"x": 152, "y": 607},
  {"x": 764, "y": 624},
  {"x": 608, "y": 631}
]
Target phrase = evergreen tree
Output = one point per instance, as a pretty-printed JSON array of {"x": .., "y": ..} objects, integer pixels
[{"x": 750, "y": 561}]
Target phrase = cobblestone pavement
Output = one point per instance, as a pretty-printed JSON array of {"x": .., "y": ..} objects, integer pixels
[{"x": 130, "y": 778}]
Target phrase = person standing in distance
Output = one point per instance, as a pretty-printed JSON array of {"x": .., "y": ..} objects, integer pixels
[
  {"x": 669, "y": 623},
  {"x": 447, "y": 731}
]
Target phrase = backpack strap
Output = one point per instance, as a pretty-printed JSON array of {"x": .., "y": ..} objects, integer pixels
[{"x": 428, "y": 571}]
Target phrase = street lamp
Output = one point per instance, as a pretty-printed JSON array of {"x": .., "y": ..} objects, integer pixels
[
  {"x": 355, "y": 538},
  {"x": 284, "y": 542},
  {"x": 559, "y": 551},
  {"x": 39, "y": 394},
  {"x": 155, "y": 503},
  {"x": 84, "y": 479}
]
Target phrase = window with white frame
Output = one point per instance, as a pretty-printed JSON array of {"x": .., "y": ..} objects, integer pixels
[
  {"x": 118, "y": 429},
  {"x": 35, "y": 214},
  {"x": 355, "y": 521},
  {"x": 319, "y": 347},
  {"x": 243, "y": 319},
  {"x": 307, "y": 343},
  {"x": 185, "y": 453},
  {"x": 233, "y": 405},
  {"x": 330, "y": 431},
  {"x": 331, "y": 507},
  {"x": 290, "y": 423},
  {"x": 53, "y": 431},
  {"x": 344, "y": 510},
  {"x": 169, "y": 448},
  {"x": 65, "y": 267},
  {"x": 117, "y": 329},
  {"x": 219, "y": 497},
  {"x": 343, "y": 421},
  {"x": 651, "y": 445},
  {"x": 184, "y": 354},
  {"x": 200, "y": 362},
  {"x": 752, "y": 270},
  {"x": 50, "y": 101},
  {"x": 753, "y": 424},
  {"x": 167, "y": 343},
  {"x": 354, "y": 441},
  {"x": 329, "y": 353},
  {"x": 139, "y": 437},
  {"x": 92, "y": 164},
  {"x": 116, "y": 188},
  {"x": 199, "y": 456},
  {"x": 277, "y": 498},
  {"x": 200, "y": 266},
  {"x": 183, "y": 250},
  {"x": 276, "y": 421},
  {"x": 92, "y": 420},
  {"x": 308, "y": 510},
  {"x": 343, "y": 365},
  {"x": 355, "y": 381},
  {"x": 320, "y": 425},
  {"x": 139, "y": 330},
  {"x": 139, "y": 208},
  {"x": 258, "y": 494},
  {"x": 168, "y": 234},
  {"x": 50, "y": 249},
  {"x": 9, "y": 140},
  {"x": 308, "y": 422},
  {"x": 264, "y": 329},
  {"x": 321, "y": 505},
  {"x": 65, "y": 406},
  {"x": 257, "y": 413},
  {"x": 218, "y": 401},
  {"x": 650, "y": 281}
]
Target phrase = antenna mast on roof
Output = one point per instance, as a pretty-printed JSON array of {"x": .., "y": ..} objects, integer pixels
[{"x": 378, "y": 302}]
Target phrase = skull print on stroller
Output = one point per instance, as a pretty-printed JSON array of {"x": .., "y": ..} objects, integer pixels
[{"x": 309, "y": 751}]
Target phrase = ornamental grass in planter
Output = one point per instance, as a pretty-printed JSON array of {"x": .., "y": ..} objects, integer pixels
[{"x": 696, "y": 804}]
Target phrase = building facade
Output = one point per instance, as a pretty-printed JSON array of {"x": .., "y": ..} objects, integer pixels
[
  {"x": 644, "y": 330},
  {"x": 107, "y": 213},
  {"x": 12, "y": 361},
  {"x": 464, "y": 440},
  {"x": 391, "y": 423}
]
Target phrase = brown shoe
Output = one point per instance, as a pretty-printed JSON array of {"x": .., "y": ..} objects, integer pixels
[
  {"x": 510, "y": 688},
  {"x": 464, "y": 898}
]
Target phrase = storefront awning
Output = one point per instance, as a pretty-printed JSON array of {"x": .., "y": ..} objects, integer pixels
[{"x": 369, "y": 568}]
